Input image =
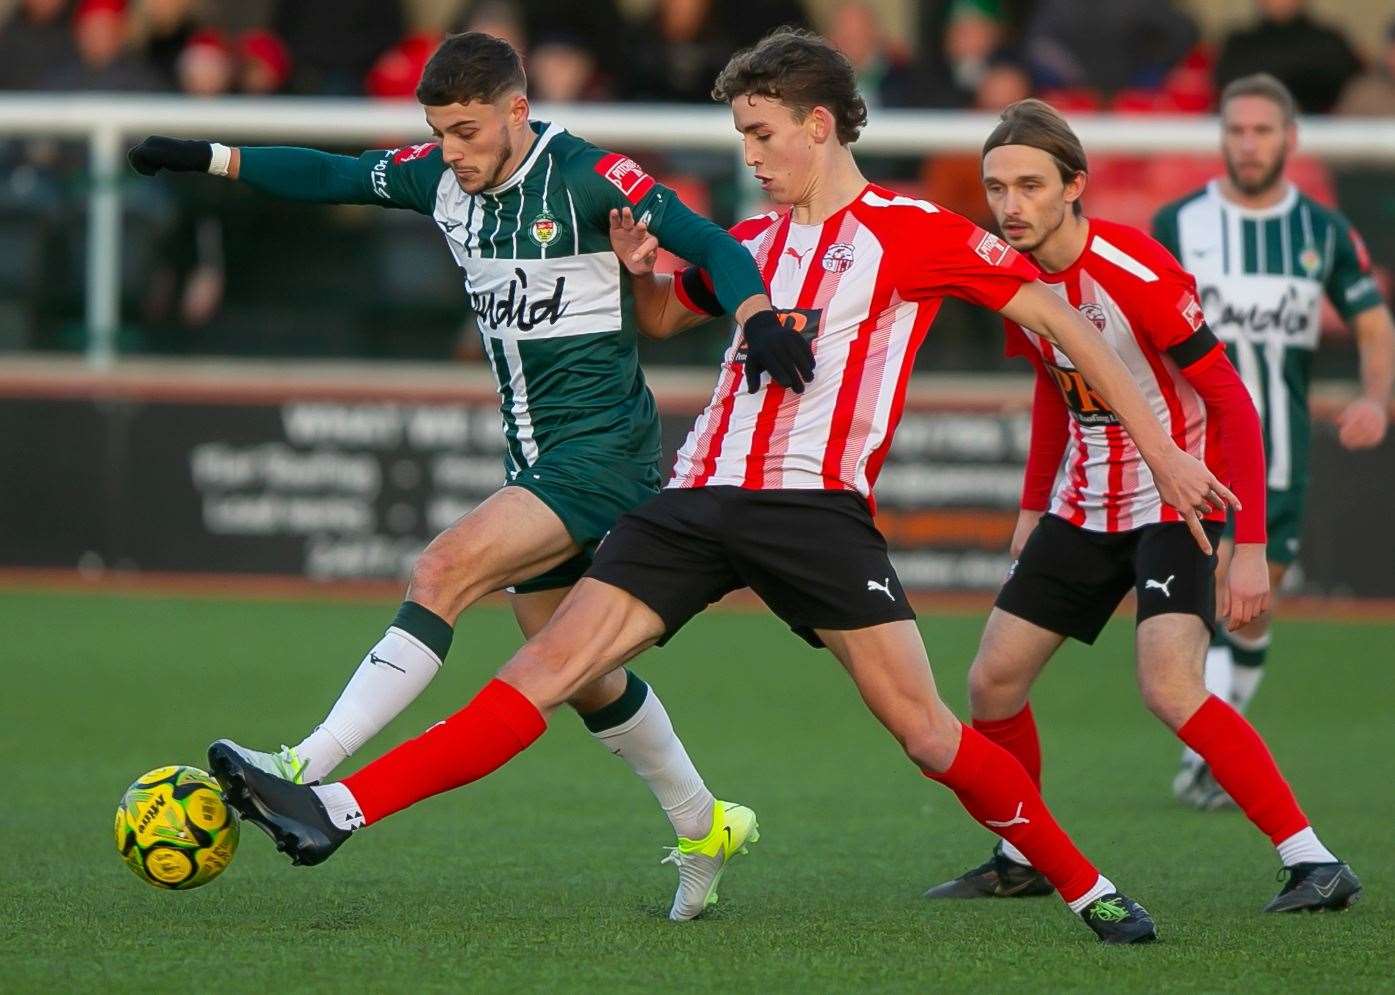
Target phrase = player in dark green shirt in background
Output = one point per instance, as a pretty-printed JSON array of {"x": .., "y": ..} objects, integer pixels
[
  {"x": 1264, "y": 255},
  {"x": 526, "y": 210}
]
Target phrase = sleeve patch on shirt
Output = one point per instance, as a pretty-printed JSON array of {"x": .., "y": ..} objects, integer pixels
[
  {"x": 1191, "y": 310},
  {"x": 994, "y": 250},
  {"x": 412, "y": 152},
  {"x": 626, "y": 175}
]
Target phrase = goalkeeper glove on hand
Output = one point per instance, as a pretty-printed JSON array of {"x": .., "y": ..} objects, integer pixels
[
  {"x": 772, "y": 347},
  {"x": 175, "y": 154}
]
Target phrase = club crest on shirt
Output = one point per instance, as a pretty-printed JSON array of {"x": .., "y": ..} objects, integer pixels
[
  {"x": 544, "y": 229},
  {"x": 838, "y": 258},
  {"x": 1093, "y": 312},
  {"x": 1311, "y": 261}
]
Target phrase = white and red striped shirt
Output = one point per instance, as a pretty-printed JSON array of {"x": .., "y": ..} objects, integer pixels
[
  {"x": 1146, "y": 307},
  {"x": 870, "y": 278}
]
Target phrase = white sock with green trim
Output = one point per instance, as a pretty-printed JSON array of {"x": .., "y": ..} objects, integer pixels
[{"x": 646, "y": 741}]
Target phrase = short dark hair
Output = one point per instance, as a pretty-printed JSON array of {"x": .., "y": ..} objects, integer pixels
[
  {"x": 1038, "y": 125},
  {"x": 802, "y": 71},
  {"x": 1261, "y": 85},
  {"x": 468, "y": 67}
]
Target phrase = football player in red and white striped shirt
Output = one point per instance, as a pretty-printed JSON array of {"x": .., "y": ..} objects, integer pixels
[
  {"x": 772, "y": 490},
  {"x": 1107, "y": 530}
]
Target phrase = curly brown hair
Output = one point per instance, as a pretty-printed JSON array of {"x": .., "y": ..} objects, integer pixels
[{"x": 802, "y": 71}]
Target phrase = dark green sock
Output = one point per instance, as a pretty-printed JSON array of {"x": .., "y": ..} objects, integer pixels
[
  {"x": 622, "y": 709},
  {"x": 423, "y": 624}
]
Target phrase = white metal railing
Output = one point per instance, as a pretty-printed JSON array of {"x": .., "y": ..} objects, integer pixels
[{"x": 108, "y": 123}]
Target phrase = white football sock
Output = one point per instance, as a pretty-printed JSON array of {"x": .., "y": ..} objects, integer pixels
[
  {"x": 1245, "y": 680},
  {"x": 1219, "y": 668},
  {"x": 390, "y": 677},
  {"x": 1243, "y": 684},
  {"x": 1103, "y": 886},
  {"x": 1303, "y": 847},
  {"x": 1012, "y": 853},
  {"x": 646, "y": 741},
  {"x": 339, "y": 805}
]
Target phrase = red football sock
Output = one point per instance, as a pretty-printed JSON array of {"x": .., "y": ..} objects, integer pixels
[
  {"x": 998, "y": 793},
  {"x": 1243, "y": 765},
  {"x": 495, "y": 726},
  {"x": 1018, "y": 735}
]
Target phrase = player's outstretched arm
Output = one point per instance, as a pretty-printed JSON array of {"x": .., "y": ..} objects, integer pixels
[
  {"x": 1364, "y": 421},
  {"x": 378, "y": 177},
  {"x": 1183, "y": 481},
  {"x": 735, "y": 279},
  {"x": 771, "y": 346},
  {"x": 658, "y": 311}
]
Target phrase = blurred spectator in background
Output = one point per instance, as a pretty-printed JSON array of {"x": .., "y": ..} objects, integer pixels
[
  {"x": 162, "y": 29},
  {"x": 883, "y": 75},
  {"x": 103, "y": 64},
  {"x": 1372, "y": 94},
  {"x": 394, "y": 76},
  {"x": 1004, "y": 80},
  {"x": 1106, "y": 46},
  {"x": 1313, "y": 60},
  {"x": 206, "y": 68},
  {"x": 499, "y": 18},
  {"x": 676, "y": 53},
  {"x": 334, "y": 43},
  {"x": 561, "y": 69},
  {"x": 974, "y": 34},
  {"x": 594, "y": 26},
  {"x": 234, "y": 17},
  {"x": 187, "y": 279},
  {"x": 955, "y": 179},
  {"x": 264, "y": 63},
  {"x": 36, "y": 37},
  {"x": 748, "y": 21}
]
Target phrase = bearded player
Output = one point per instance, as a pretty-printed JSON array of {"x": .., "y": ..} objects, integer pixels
[
  {"x": 772, "y": 488},
  {"x": 1093, "y": 525},
  {"x": 1264, "y": 255},
  {"x": 524, "y": 209}
]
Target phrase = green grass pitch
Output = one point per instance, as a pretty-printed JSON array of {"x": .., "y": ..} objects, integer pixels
[{"x": 545, "y": 877}]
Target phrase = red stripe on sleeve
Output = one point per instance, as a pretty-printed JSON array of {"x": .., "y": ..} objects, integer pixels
[
  {"x": 681, "y": 292},
  {"x": 1231, "y": 410}
]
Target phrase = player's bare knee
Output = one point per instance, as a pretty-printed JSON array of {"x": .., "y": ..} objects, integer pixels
[
  {"x": 931, "y": 742},
  {"x": 1173, "y": 697},
  {"x": 932, "y": 748},
  {"x": 443, "y": 581},
  {"x": 995, "y": 690}
]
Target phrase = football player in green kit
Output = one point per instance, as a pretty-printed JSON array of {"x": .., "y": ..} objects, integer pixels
[
  {"x": 1264, "y": 255},
  {"x": 526, "y": 209}
]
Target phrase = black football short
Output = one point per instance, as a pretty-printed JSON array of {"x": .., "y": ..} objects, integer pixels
[
  {"x": 1069, "y": 580},
  {"x": 814, "y": 557}
]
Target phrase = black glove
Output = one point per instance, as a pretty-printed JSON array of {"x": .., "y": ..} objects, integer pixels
[
  {"x": 774, "y": 348},
  {"x": 175, "y": 154}
]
